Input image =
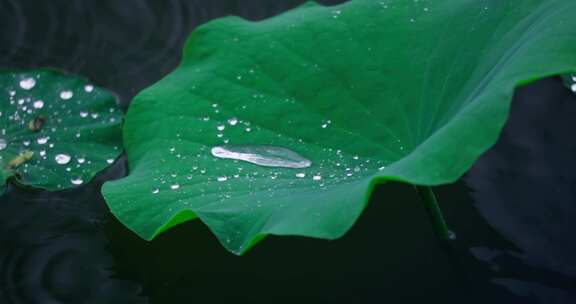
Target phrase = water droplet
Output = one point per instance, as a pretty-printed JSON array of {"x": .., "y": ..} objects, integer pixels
[
  {"x": 43, "y": 140},
  {"x": 88, "y": 88},
  {"x": 77, "y": 181},
  {"x": 221, "y": 127},
  {"x": 3, "y": 144},
  {"x": 62, "y": 159},
  {"x": 233, "y": 121},
  {"x": 38, "y": 104},
  {"x": 110, "y": 160},
  {"x": 316, "y": 177},
  {"x": 574, "y": 87},
  {"x": 156, "y": 191},
  {"x": 262, "y": 155},
  {"x": 66, "y": 95},
  {"x": 175, "y": 186},
  {"x": 83, "y": 114},
  {"x": 301, "y": 175},
  {"x": 81, "y": 160},
  {"x": 27, "y": 83},
  {"x": 222, "y": 178},
  {"x": 336, "y": 13}
]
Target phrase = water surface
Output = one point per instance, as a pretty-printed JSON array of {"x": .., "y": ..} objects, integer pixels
[{"x": 514, "y": 218}]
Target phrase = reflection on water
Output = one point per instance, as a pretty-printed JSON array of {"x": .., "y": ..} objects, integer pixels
[
  {"x": 65, "y": 248},
  {"x": 525, "y": 187}
]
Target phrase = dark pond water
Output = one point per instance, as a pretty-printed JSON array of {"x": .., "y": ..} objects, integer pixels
[{"x": 514, "y": 212}]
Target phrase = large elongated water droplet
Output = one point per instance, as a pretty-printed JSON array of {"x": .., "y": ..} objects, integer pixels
[{"x": 262, "y": 155}]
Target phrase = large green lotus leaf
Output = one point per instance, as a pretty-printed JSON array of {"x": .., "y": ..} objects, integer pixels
[
  {"x": 57, "y": 130},
  {"x": 369, "y": 91}
]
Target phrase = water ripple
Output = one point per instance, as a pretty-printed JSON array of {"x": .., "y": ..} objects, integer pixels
[
  {"x": 122, "y": 45},
  {"x": 53, "y": 250}
]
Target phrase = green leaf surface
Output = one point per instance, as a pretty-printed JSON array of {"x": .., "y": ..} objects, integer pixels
[
  {"x": 369, "y": 92},
  {"x": 57, "y": 130}
]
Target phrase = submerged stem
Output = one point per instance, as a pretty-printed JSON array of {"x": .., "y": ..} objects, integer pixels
[{"x": 434, "y": 212}]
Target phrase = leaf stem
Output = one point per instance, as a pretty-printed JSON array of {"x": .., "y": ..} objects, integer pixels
[{"x": 435, "y": 213}]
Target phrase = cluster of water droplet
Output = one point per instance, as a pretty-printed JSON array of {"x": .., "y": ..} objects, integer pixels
[
  {"x": 573, "y": 83},
  {"x": 224, "y": 170},
  {"x": 46, "y": 120},
  {"x": 419, "y": 7},
  {"x": 244, "y": 157}
]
